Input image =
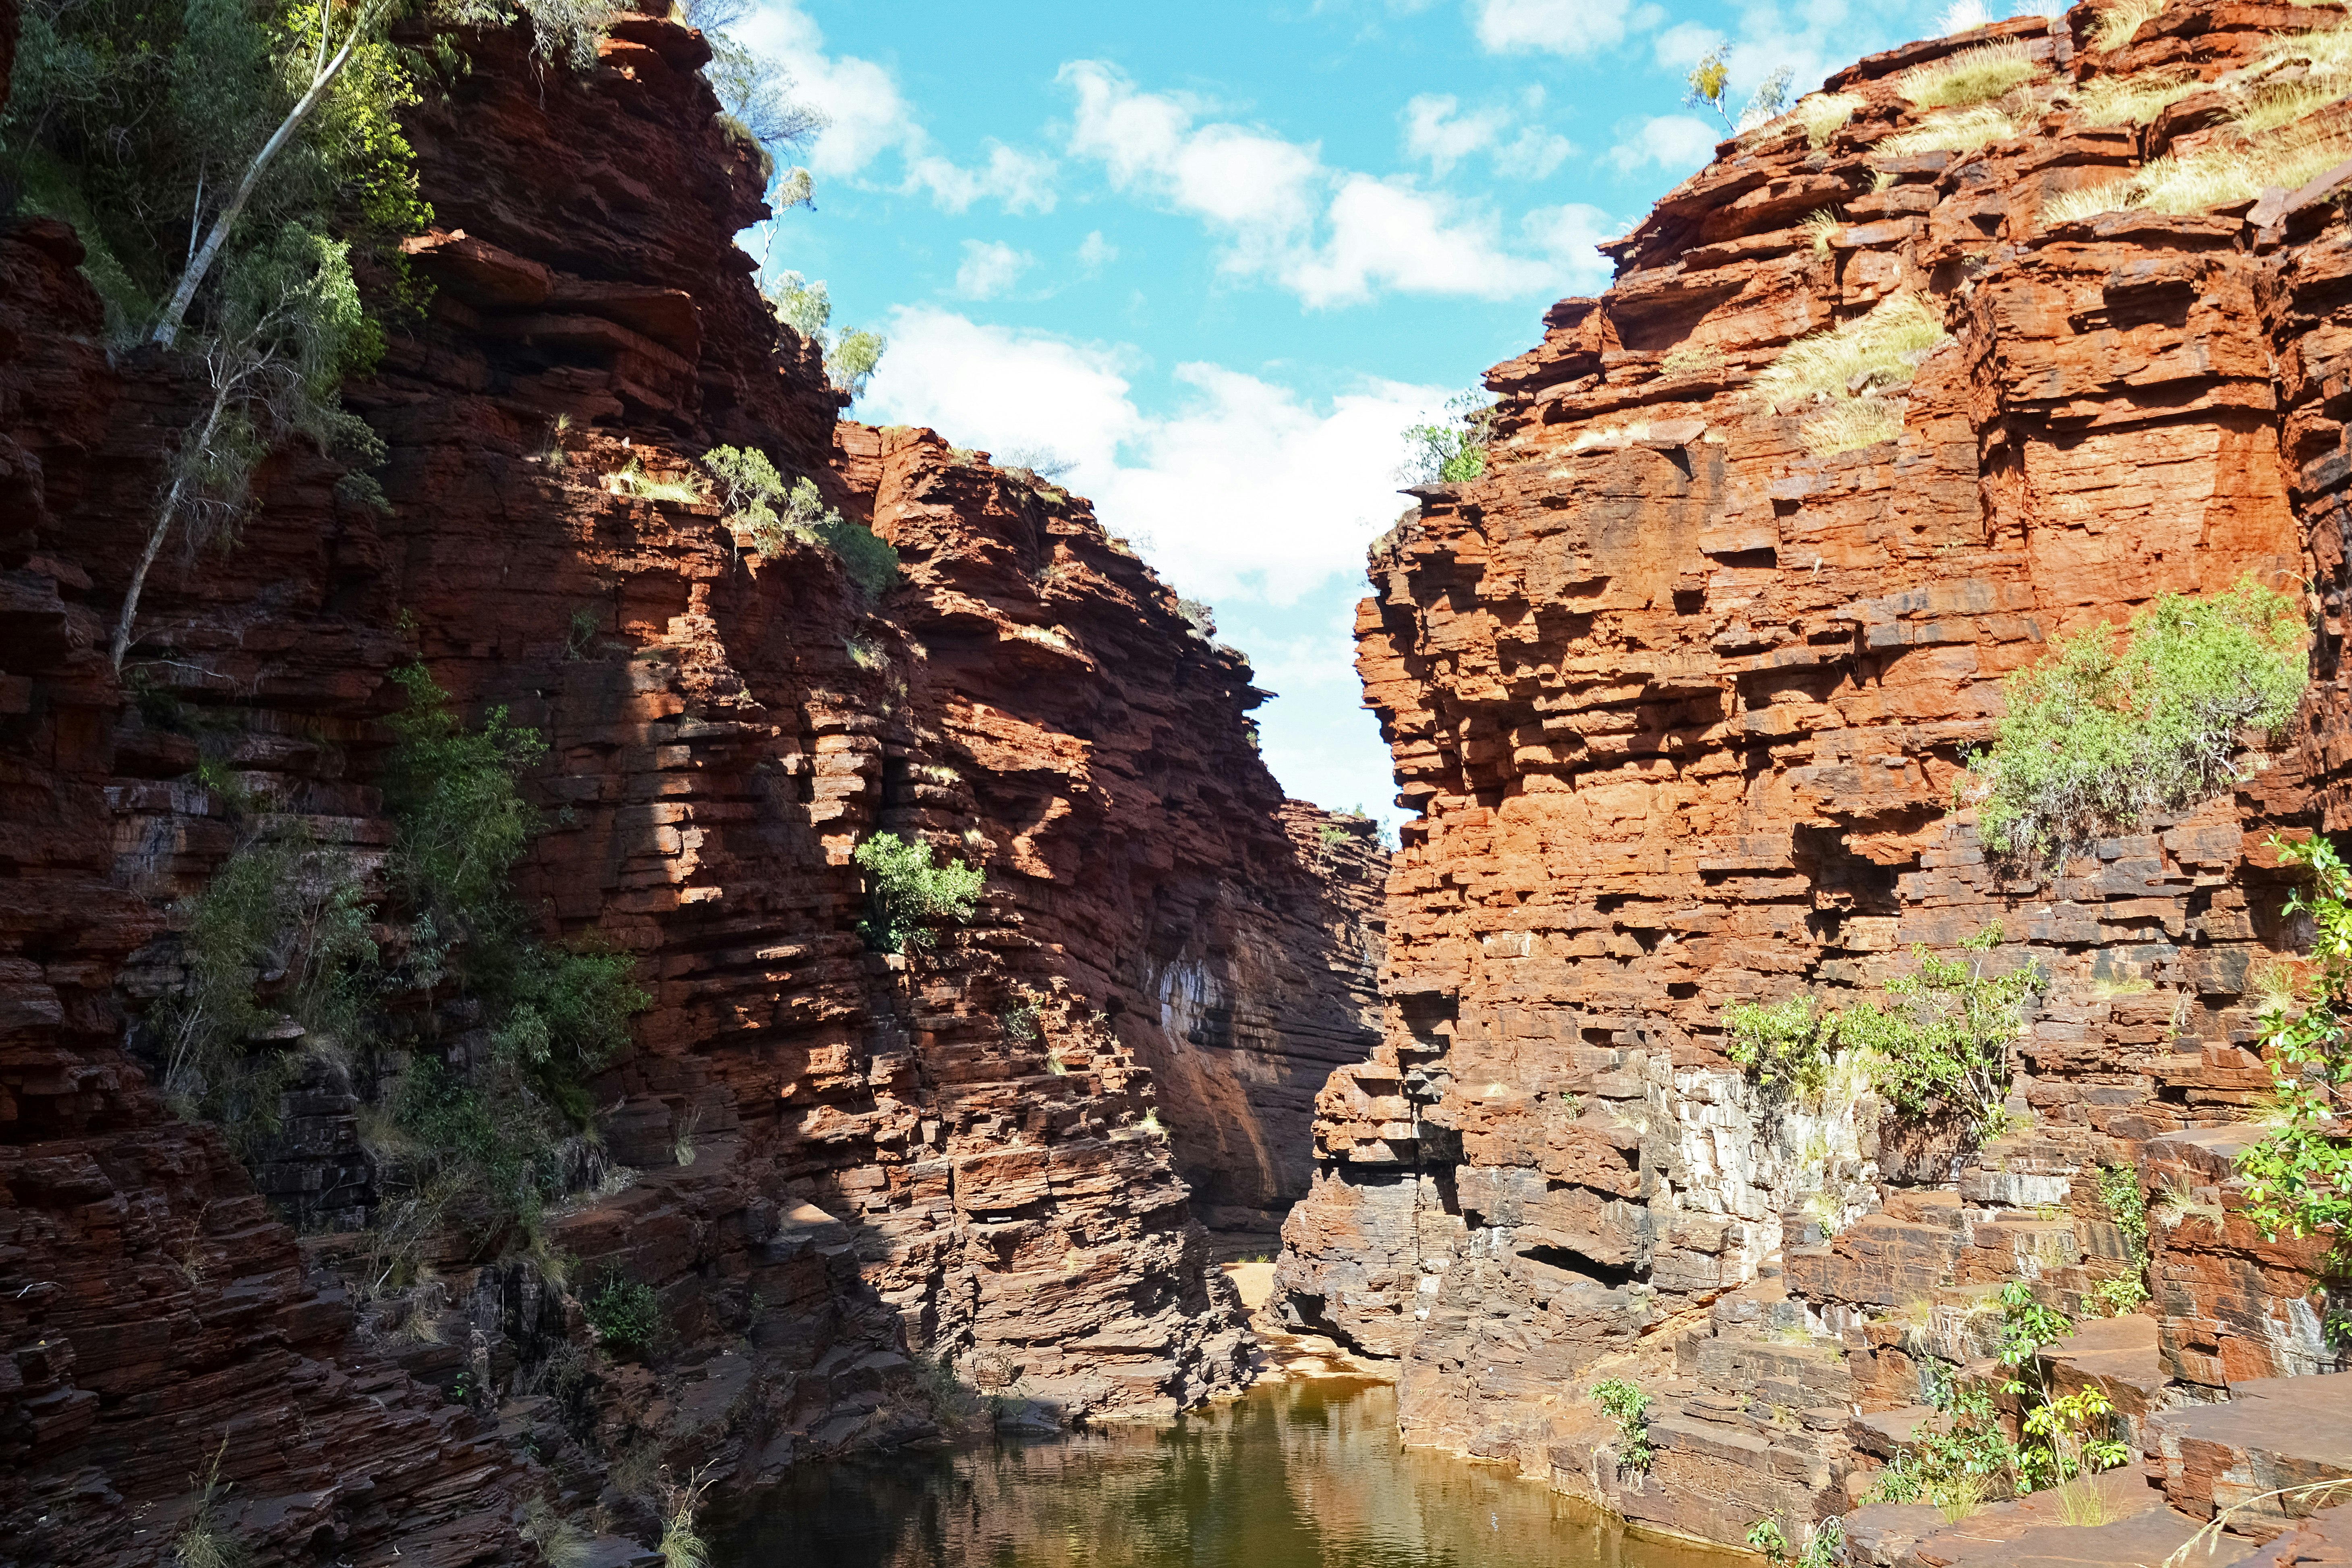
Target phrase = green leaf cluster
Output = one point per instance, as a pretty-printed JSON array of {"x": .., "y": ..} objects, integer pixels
[
  {"x": 2299, "y": 1179},
  {"x": 1953, "y": 1459},
  {"x": 850, "y": 356},
  {"x": 1626, "y": 1404},
  {"x": 1454, "y": 451},
  {"x": 2105, "y": 731},
  {"x": 129, "y": 120},
  {"x": 907, "y": 895},
  {"x": 768, "y": 515},
  {"x": 625, "y": 1314},
  {"x": 1940, "y": 1038}
]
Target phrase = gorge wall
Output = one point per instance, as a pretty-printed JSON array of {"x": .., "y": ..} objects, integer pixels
[
  {"x": 996, "y": 1154},
  {"x": 1682, "y": 707}
]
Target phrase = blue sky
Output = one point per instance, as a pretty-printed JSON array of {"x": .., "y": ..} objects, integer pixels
[{"x": 1220, "y": 254}]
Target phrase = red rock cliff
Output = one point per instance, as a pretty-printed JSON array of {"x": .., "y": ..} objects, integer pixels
[
  {"x": 1681, "y": 707},
  {"x": 996, "y": 1153}
]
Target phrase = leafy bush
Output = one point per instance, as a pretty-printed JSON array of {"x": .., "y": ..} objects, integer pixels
[
  {"x": 907, "y": 895},
  {"x": 1782, "y": 1045},
  {"x": 462, "y": 822},
  {"x": 279, "y": 908},
  {"x": 1627, "y": 1406},
  {"x": 2098, "y": 735},
  {"x": 625, "y": 1314},
  {"x": 1955, "y": 1459},
  {"x": 2300, "y": 1177},
  {"x": 1942, "y": 1035},
  {"x": 1945, "y": 1033},
  {"x": 768, "y": 515},
  {"x": 1454, "y": 452},
  {"x": 1972, "y": 75}
]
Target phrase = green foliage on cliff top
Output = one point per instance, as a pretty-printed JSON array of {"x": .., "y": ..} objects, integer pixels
[{"x": 2106, "y": 731}]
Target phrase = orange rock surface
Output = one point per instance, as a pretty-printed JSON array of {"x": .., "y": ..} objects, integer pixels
[{"x": 1682, "y": 707}]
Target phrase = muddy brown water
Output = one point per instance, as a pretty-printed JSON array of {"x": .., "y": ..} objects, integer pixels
[{"x": 1291, "y": 1474}]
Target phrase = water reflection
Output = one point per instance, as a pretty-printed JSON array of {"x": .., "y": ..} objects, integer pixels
[{"x": 1294, "y": 1475}]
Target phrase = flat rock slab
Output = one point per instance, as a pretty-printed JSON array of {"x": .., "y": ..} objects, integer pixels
[
  {"x": 2143, "y": 1541},
  {"x": 2271, "y": 1433},
  {"x": 2322, "y": 1540}
]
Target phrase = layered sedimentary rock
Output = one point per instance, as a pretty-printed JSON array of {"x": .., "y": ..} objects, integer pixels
[
  {"x": 995, "y": 1151},
  {"x": 1683, "y": 708}
]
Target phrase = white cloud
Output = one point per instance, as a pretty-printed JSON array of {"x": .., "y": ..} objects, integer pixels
[
  {"x": 1385, "y": 233},
  {"x": 1095, "y": 252},
  {"x": 989, "y": 267},
  {"x": 1019, "y": 182},
  {"x": 1532, "y": 154},
  {"x": 868, "y": 116},
  {"x": 1436, "y": 130},
  {"x": 1259, "y": 493},
  {"x": 1675, "y": 143},
  {"x": 1567, "y": 235},
  {"x": 1560, "y": 26},
  {"x": 1330, "y": 236}
]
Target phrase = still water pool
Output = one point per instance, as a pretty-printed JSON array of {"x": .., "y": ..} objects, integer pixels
[{"x": 1290, "y": 1476}]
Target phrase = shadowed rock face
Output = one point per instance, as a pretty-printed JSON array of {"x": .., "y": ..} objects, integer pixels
[
  {"x": 1683, "y": 707},
  {"x": 846, "y": 1158}
]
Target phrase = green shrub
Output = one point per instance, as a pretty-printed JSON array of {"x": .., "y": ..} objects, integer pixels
[
  {"x": 1454, "y": 452},
  {"x": 277, "y": 908},
  {"x": 1627, "y": 1406},
  {"x": 1945, "y": 1033},
  {"x": 2300, "y": 1177},
  {"x": 625, "y": 1314},
  {"x": 760, "y": 507},
  {"x": 1782, "y": 1045},
  {"x": 907, "y": 895},
  {"x": 2101, "y": 734},
  {"x": 1955, "y": 1458},
  {"x": 1942, "y": 1035},
  {"x": 850, "y": 356},
  {"x": 461, "y": 819}
]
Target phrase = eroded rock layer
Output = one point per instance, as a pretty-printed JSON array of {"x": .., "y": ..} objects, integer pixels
[
  {"x": 996, "y": 1152},
  {"x": 1683, "y": 706}
]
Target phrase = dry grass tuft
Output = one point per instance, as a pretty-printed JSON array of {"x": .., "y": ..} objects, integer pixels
[
  {"x": 1958, "y": 131},
  {"x": 2209, "y": 178},
  {"x": 1972, "y": 75},
  {"x": 1819, "y": 226},
  {"x": 1885, "y": 343},
  {"x": 1850, "y": 425},
  {"x": 2325, "y": 52},
  {"x": 2131, "y": 99},
  {"x": 2118, "y": 22},
  {"x": 2281, "y": 104},
  {"x": 1823, "y": 114}
]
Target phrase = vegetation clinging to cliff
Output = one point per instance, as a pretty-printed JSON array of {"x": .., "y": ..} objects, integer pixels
[
  {"x": 2104, "y": 732},
  {"x": 1941, "y": 1038},
  {"x": 1454, "y": 451},
  {"x": 2301, "y": 1175},
  {"x": 908, "y": 894}
]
